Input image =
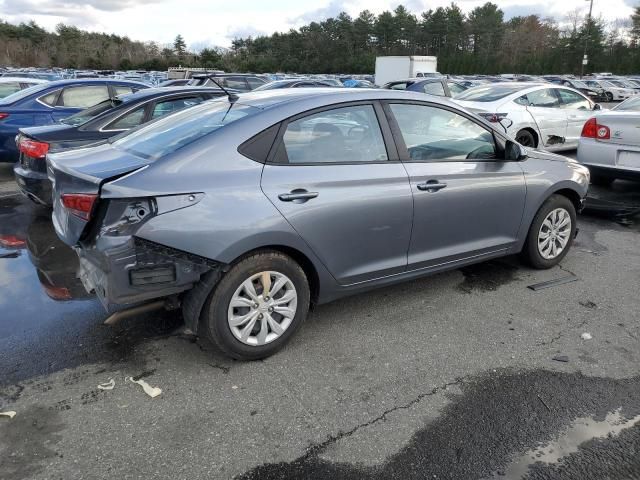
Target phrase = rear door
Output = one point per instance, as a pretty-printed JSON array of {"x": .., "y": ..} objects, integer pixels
[
  {"x": 335, "y": 176},
  {"x": 544, "y": 107},
  {"x": 468, "y": 201},
  {"x": 578, "y": 109}
]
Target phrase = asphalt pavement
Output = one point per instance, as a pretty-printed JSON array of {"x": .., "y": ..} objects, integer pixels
[{"x": 467, "y": 374}]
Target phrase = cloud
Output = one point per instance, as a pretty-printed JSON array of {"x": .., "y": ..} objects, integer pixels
[
  {"x": 332, "y": 9},
  {"x": 64, "y": 8},
  {"x": 244, "y": 32}
]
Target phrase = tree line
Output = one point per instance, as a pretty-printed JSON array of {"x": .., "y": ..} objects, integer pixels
[{"x": 481, "y": 41}]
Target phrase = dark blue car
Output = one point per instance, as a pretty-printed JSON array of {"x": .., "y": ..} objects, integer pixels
[{"x": 48, "y": 103}]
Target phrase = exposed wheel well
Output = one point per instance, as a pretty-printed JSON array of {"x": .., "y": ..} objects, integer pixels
[
  {"x": 536, "y": 139},
  {"x": 571, "y": 195},
  {"x": 301, "y": 259}
]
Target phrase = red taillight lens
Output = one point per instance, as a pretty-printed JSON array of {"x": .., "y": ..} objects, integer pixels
[
  {"x": 33, "y": 148},
  {"x": 3, "y": 116},
  {"x": 12, "y": 241},
  {"x": 592, "y": 129},
  {"x": 79, "y": 204}
]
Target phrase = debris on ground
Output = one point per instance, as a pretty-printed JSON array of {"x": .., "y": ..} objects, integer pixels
[
  {"x": 9, "y": 414},
  {"x": 148, "y": 389},
  {"x": 553, "y": 283},
  {"x": 561, "y": 358},
  {"x": 108, "y": 385},
  {"x": 586, "y": 336},
  {"x": 588, "y": 304}
]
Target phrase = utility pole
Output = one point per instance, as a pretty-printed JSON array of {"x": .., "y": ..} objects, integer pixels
[{"x": 585, "y": 59}]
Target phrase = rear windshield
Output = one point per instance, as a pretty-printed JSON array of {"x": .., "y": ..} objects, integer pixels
[
  {"x": 489, "y": 93},
  {"x": 90, "y": 113},
  {"x": 14, "y": 97},
  {"x": 631, "y": 104},
  {"x": 170, "y": 133}
]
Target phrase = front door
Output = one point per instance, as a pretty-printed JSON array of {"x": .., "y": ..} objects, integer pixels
[
  {"x": 578, "y": 109},
  {"x": 345, "y": 194},
  {"x": 467, "y": 202},
  {"x": 544, "y": 107}
]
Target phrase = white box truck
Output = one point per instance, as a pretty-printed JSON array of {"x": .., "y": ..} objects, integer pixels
[{"x": 389, "y": 69}]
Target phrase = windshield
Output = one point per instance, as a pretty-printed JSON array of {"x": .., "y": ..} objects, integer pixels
[
  {"x": 14, "y": 97},
  {"x": 606, "y": 83},
  {"x": 90, "y": 113},
  {"x": 175, "y": 131},
  {"x": 489, "y": 93},
  {"x": 631, "y": 104},
  {"x": 618, "y": 83}
]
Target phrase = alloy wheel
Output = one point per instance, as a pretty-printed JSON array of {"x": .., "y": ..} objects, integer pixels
[
  {"x": 262, "y": 308},
  {"x": 554, "y": 233}
]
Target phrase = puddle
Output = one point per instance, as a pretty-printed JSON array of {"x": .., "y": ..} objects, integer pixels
[
  {"x": 48, "y": 321},
  {"x": 487, "y": 276},
  {"x": 580, "y": 431}
]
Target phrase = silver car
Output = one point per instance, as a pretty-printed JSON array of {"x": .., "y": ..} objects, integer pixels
[
  {"x": 245, "y": 211},
  {"x": 610, "y": 143}
]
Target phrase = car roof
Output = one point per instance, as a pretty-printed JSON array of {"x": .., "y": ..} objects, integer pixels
[
  {"x": 270, "y": 98},
  {"x": 160, "y": 91},
  {"x": 23, "y": 79},
  {"x": 89, "y": 81}
]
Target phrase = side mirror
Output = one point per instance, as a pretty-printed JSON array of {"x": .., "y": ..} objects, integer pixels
[
  {"x": 514, "y": 152},
  {"x": 597, "y": 106}
]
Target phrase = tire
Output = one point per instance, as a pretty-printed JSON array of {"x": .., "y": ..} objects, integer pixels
[
  {"x": 531, "y": 252},
  {"x": 601, "y": 180},
  {"x": 609, "y": 96},
  {"x": 218, "y": 315},
  {"x": 526, "y": 138}
]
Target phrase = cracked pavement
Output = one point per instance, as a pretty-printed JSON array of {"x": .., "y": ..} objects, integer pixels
[{"x": 449, "y": 376}]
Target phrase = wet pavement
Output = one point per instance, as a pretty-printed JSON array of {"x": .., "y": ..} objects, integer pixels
[{"x": 450, "y": 376}]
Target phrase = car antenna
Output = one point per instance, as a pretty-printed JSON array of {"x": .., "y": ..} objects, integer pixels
[{"x": 232, "y": 96}]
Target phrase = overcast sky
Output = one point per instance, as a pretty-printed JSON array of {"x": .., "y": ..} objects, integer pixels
[{"x": 217, "y": 22}]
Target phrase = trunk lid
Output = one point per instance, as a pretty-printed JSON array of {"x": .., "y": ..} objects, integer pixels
[
  {"x": 82, "y": 172},
  {"x": 624, "y": 127}
]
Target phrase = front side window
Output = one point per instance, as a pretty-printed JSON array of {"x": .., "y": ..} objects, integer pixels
[
  {"x": 237, "y": 83},
  {"x": 343, "y": 135},
  {"x": 434, "y": 134},
  {"x": 543, "y": 98},
  {"x": 169, "y": 106},
  {"x": 127, "y": 121},
  {"x": 7, "y": 88},
  {"x": 434, "y": 88},
  {"x": 573, "y": 100},
  {"x": 83, "y": 97}
]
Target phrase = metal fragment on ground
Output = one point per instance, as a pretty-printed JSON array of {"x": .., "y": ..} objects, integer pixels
[
  {"x": 561, "y": 358},
  {"x": 553, "y": 283},
  {"x": 9, "y": 414},
  {"x": 586, "y": 336}
]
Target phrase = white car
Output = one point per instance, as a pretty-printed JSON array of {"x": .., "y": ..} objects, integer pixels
[
  {"x": 612, "y": 91},
  {"x": 9, "y": 85},
  {"x": 537, "y": 115}
]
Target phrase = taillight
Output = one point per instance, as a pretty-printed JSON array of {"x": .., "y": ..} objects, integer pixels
[
  {"x": 79, "y": 204},
  {"x": 12, "y": 241},
  {"x": 3, "y": 116},
  {"x": 33, "y": 148},
  {"x": 592, "y": 129},
  {"x": 493, "y": 117}
]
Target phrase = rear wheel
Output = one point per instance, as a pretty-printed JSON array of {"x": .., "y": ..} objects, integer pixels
[
  {"x": 551, "y": 233},
  {"x": 526, "y": 138},
  {"x": 609, "y": 96},
  {"x": 257, "y": 306}
]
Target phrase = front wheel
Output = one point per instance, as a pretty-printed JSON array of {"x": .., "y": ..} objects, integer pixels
[
  {"x": 257, "y": 306},
  {"x": 526, "y": 139},
  {"x": 609, "y": 96},
  {"x": 551, "y": 233}
]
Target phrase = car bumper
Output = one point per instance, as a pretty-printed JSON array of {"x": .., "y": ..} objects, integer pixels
[
  {"x": 621, "y": 161},
  {"x": 137, "y": 271},
  {"x": 35, "y": 185}
]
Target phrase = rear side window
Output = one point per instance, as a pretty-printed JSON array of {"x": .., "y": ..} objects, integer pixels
[
  {"x": 169, "y": 134},
  {"x": 83, "y": 97},
  {"x": 433, "y": 88},
  {"x": 342, "y": 135},
  {"x": 127, "y": 121},
  {"x": 455, "y": 88},
  {"x": 8, "y": 88},
  {"x": 433, "y": 134},
  {"x": 173, "y": 105},
  {"x": 50, "y": 98}
]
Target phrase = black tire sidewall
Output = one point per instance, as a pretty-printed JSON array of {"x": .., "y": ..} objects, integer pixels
[
  {"x": 533, "y": 256},
  {"x": 528, "y": 134},
  {"x": 215, "y": 312}
]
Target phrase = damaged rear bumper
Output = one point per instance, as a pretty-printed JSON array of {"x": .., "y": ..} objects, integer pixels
[{"x": 137, "y": 271}]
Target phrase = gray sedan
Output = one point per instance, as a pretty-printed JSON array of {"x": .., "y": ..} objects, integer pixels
[
  {"x": 610, "y": 143},
  {"x": 245, "y": 211}
]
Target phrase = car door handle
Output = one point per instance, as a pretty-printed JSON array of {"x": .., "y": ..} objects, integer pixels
[
  {"x": 297, "y": 195},
  {"x": 431, "y": 186}
]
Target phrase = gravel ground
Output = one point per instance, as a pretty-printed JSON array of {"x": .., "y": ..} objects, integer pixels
[{"x": 451, "y": 376}]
